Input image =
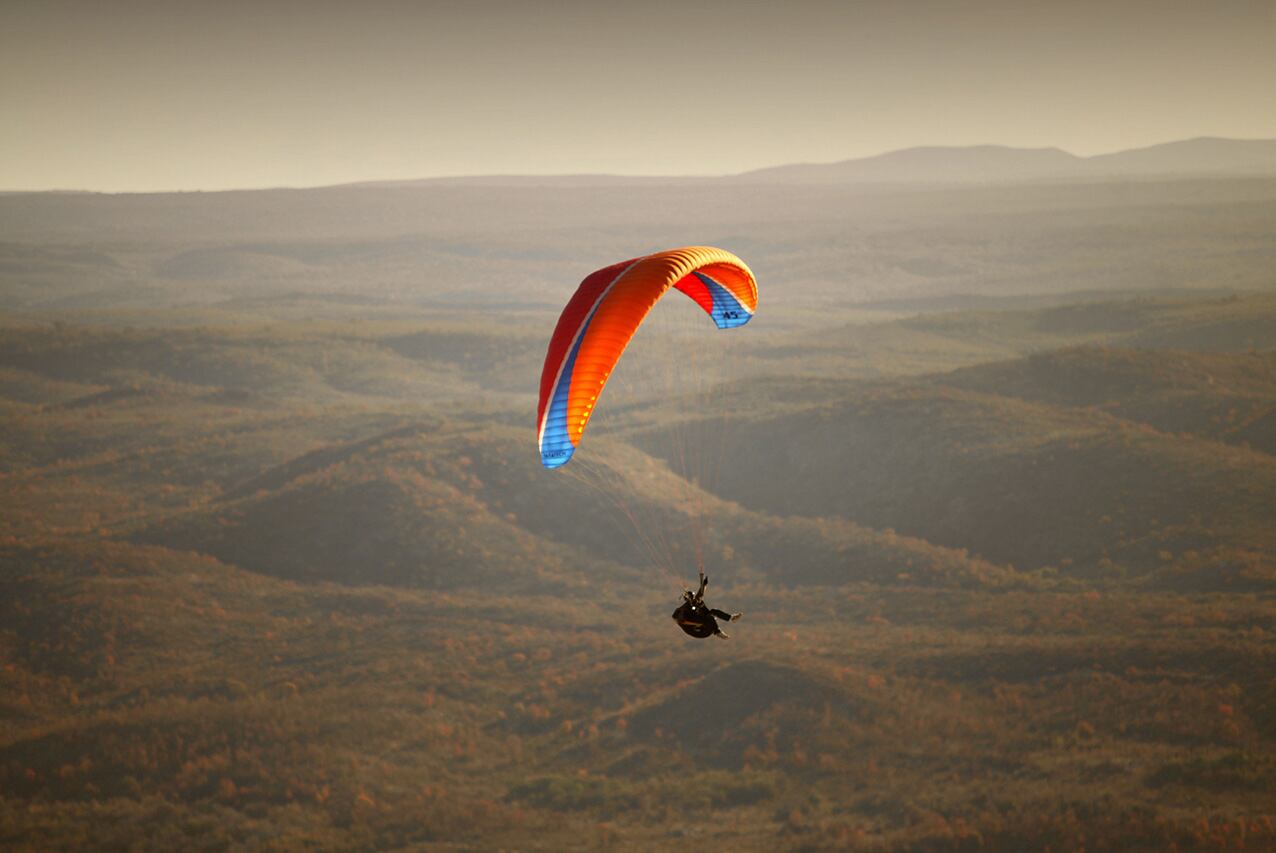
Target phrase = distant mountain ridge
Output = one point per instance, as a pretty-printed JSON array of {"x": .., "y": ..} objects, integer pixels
[
  {"x": 1200, "y": 157},
  {"x": 995, "y": 163},
  {"x": 930, "y": 164}
]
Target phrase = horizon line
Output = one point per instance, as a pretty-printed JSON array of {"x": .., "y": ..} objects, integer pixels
[{"x": 385, "y": 183}]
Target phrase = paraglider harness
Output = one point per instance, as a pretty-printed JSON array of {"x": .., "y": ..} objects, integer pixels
[{"x": 698, "y": 619}]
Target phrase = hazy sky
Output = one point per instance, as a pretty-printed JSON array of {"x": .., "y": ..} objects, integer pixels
[{"x": 136, "y": 95}]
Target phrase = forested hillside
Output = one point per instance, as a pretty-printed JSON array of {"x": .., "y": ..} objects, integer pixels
[{"x": 280, "y": 566}]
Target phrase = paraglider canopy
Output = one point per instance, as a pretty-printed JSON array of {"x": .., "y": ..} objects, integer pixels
[{"x": 601, "y": 318}]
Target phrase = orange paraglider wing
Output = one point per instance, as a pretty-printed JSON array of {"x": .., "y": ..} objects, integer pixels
[{"x": 602, "y": 316}]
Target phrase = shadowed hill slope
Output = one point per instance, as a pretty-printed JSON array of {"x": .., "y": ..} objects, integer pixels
[
  {"x": 1016, "y": 482},
  {"x": 1225, "y": 396},
  {"x": 455, "y": 505},
  {"x": 623, "y": 489},
  {"x": 375, "y": 513}
]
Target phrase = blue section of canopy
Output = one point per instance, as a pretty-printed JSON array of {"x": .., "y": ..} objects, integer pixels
[
  {"x": 556, "y": 445},
  {"x": 727, "y": 311}
]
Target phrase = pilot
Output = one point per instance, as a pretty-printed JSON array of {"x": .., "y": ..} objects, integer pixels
[{"x": 698, "y": 619}]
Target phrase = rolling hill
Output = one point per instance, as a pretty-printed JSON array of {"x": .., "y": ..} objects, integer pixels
[
  {"x": 1228, "y": 397},
  {"x": 1019, "y": 483},
  {"x": 457, "y": 505}
]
